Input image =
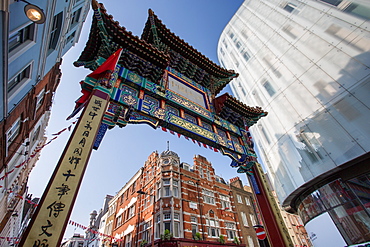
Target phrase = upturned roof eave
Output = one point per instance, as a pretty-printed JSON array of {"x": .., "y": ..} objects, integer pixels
[
  {"x": 178, "y": 44},
  {"x": 123, "y": 38}
]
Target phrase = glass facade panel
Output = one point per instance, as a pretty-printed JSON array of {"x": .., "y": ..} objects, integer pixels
[{"x": 315, "y": 57}]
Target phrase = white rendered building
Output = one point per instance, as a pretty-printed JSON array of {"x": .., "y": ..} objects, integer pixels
[{"x": 307, "y": 63}]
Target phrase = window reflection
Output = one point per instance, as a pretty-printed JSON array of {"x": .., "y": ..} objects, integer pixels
[{"x": 348, "y": 204}]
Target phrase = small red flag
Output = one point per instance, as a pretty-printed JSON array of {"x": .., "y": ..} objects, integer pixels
[{"x": 109, "y": 64}]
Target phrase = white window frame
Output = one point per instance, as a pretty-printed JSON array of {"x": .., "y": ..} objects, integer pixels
[
  {"x": 40, "y": 98},
  {"x": 128, "y": 240},
  {"x": 208, "y": 197},
  {"x": 239, "y": 199},
  {"x": 225, "y": 202},
  {"x": 244, "y": 219},
  {"x": 253, "y": 219},
  {"x": 175, "y": 188},
  {"x": 18, "y": 51},
  {"x": 13, "y": 132},
  {"x": 21, "y": 84},
  {"x": 247, "y": 201},
  {"x": 193, "y": 219}
]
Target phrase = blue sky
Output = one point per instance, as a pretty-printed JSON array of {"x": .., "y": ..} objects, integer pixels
[{"x": 124, "y": 150}]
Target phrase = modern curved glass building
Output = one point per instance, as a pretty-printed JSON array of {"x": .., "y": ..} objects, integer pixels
[{"x": 307, "y": 63}]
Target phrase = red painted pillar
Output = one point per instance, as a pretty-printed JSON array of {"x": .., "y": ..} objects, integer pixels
[{"x": 277, "y": 232}]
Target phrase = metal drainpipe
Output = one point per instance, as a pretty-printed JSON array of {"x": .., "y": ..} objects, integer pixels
[
  {"x": 200, "y": 211},
  {"x": 4, "y": 7}
]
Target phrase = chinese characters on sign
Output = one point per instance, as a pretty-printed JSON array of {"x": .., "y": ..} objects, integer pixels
[{"x": 48, "y": 227}]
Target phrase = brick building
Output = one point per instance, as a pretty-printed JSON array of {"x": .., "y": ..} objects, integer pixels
[
  {"x": 191, "y": 201},
  {"x": 25, "y": 132},
  {"x": 245, "y": 208}
]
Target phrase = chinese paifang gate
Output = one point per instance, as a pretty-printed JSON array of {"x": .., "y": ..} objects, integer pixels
[{"x": 159, "y": 80}]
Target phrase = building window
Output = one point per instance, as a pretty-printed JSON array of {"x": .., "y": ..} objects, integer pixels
[
  {"x": 239, "y": 198},
  {"x": 270, "y": 90},
  {"x": 40, "y": 99},
  {"x": 194, "y": 229},
  {"x": 212, "y": 228},
  {"x": 176, "y": 225},
  {"x": 75, "y": 17},
  {"x": 201, "y": 172},
  {"x": 167, "y": 216},
  {"x": 247, "y": 201},
  {"x": 244, "y": 219},
  {"x": 193, "y": 219},
  {"x": 225, "y": 202},
  {"x": 230, "y": 230},
  {"x": 35, "y": 135},
  {"x": 20, "y": 37},
  {"x": 185, "y": 166},
  {"x": 208, "y": 197},
  {"x": 20, "y": 79},
  {"x": 176, "y": 229},
  {"x": 250, "y": 241},
  {"x": 131, "y": 211},
  {"x": 128, "y": 240},
  {"x": 55, "y": 31},
  {"x": 175, "y": 188},
  {"x": 332, "y": 2},
  {"x": 253, "y": 219},
  {"x": 246, "y": 56},
  {"x": 358, "y": 10},
  {"x": 119, "y": 220},
  {"x": 158, "y": 226},
  {"x": 158, "y": 190},
  {"x": 13, "y": 131},
  {"x": 71, "y": 36},
  {"x": 146, "y": 234},
  {"x": 133, "y": 190},
  {"x": 289, "y": 7},
  {"x": 166, "y": 187}
]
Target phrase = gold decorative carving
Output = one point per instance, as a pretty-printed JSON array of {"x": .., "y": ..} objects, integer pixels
[
  {"x": 191, "y": 127},
  {"x": 190, "y": 105},
  {"x": 221, "y": 140},
  {"x": 128, "y": 99},
  {"x": 134, "y": 77},
  {"x": 160, "y": 113}
]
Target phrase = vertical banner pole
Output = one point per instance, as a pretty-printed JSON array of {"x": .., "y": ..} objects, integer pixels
[
  {"x": 274, "y": 224},
  {"x": 51, "y": 217}
]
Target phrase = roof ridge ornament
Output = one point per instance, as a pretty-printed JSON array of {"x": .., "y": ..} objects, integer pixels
[
  {"x": 153, "y": 27},
  {"x": 94, "y": 4}
]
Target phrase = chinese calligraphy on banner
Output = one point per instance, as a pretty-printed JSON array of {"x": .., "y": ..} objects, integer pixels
[{"x": 51, "y": 217}]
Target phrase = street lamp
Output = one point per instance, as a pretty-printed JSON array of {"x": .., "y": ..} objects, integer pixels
[
  {"x": 34, "y": 13},
  {"x": 153, "y": 211}
]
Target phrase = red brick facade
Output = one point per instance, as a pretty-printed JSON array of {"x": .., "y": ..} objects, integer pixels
[
  {"x": 25, "y": 137},
  {"x": 190, "y": 201}
]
